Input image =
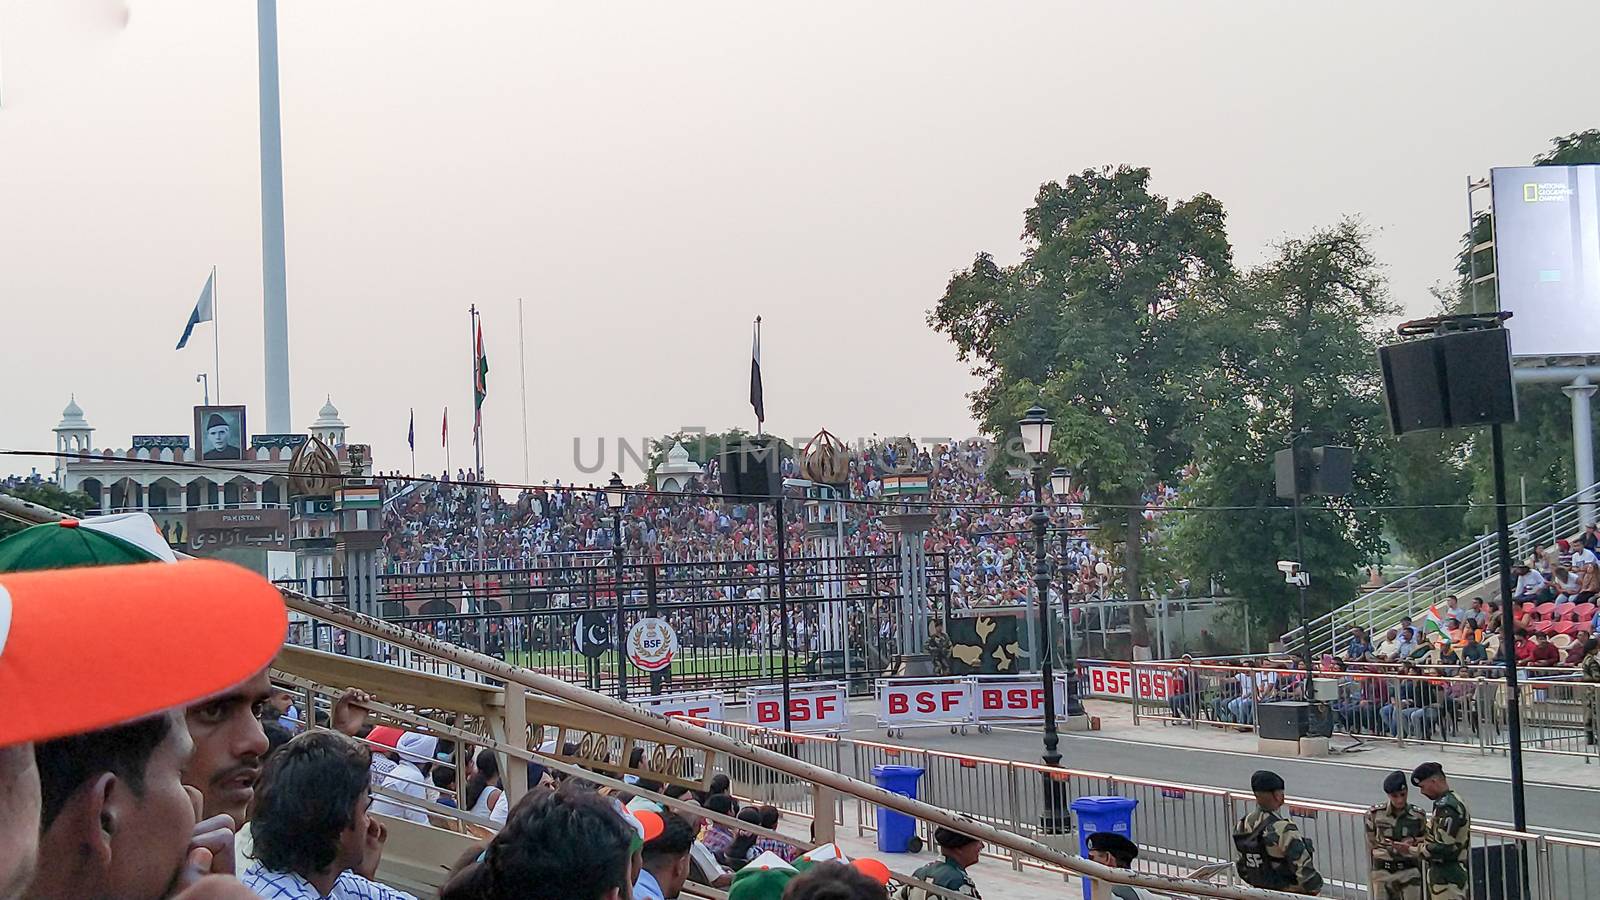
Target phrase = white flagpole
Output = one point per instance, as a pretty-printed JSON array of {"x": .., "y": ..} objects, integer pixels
[
  {"x": 216, "y": 339},
  {"x": 522, "y": 363}
]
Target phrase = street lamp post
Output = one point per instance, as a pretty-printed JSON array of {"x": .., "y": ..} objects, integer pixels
[
  {"x": 616, "y": 497},
  {"x": 1036, "y": 426},
  {"x": 1061, "y": 486}
]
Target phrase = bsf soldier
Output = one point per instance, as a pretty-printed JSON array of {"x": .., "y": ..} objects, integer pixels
[
  {"x": 960, "y": 852},
  {"x": 1272, "y": 853},
  {"x": 1394, "y": 830},
  {"x": 1449, "y": 835},
  {"x": 938, "y": 648}
]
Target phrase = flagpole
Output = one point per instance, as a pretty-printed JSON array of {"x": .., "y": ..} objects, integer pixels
[
  {"x": 216, "y": 339},
  {"x": 446, "y": 438},
  {"x": 477, "y": 438},
  {"x": 522, "y": 364},
  {"x": 411, "y": 435},
  {"x": 760, "y": 426}
]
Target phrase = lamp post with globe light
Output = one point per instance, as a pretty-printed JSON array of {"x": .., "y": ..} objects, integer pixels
[
  {"x": 1036, "y": 427},
  {"x": 616, "y": 498},
  {"x": 1061, "y": 486}
]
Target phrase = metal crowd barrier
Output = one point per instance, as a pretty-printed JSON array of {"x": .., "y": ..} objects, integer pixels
[{"x": 1181, "y": 827}]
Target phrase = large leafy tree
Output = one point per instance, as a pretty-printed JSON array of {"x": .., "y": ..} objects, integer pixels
[
  {"x": 1293, "y": 344},
  {"x": 1096, "y": 322}
]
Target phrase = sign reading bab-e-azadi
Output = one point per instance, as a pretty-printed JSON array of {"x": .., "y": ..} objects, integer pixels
[
  {"x": 818, "y": 706},
  {"x": 1104, "y": 679}
]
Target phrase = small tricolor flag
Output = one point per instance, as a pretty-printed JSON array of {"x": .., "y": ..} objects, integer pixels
[{"x": 480, "y": 375}]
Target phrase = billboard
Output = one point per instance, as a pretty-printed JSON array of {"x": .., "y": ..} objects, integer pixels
[{"x": 1547, "y": 257}]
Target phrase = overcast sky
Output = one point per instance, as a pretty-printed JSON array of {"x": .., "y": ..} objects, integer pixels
[{"x": 650, "y": 176}]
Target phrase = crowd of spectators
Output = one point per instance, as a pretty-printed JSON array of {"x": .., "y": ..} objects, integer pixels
[{"x": 983, "y": 534}]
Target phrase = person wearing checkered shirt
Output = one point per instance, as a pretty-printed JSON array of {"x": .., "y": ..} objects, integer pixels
[{"x": 314, "y": 839}]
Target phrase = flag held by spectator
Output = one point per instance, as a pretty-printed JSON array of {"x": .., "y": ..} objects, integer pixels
[
  {"x": 756, "y": 402},
  {"x": 204, "y": 309}
]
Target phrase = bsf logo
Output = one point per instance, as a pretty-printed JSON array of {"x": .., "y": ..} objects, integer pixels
[{"x": 652, "y": 644}]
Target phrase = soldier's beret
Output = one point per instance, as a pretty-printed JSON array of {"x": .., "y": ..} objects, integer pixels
[
  {"x": 1395, "y": 783},
  {"x": 1425, "y": 771},
  {"x": 1115, "y": 844},
  {"x": 1264, "y": 782}
]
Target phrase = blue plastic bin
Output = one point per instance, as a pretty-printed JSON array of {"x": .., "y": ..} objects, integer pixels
[
  {"x": 896, "y": 829},
  {"x": 1096, "y": 814}
]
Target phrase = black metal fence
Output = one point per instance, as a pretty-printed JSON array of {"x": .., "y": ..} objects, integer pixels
[{"x": 726, "y": 615}]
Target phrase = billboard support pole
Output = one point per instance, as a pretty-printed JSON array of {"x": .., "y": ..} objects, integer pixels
[{"x": 1579, "y": 392}]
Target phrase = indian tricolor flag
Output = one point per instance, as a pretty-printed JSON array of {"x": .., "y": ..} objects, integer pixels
[{"x": 1433, "y": 625}]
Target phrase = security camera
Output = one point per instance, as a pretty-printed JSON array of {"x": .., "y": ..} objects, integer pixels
[{"x": 1288, "y": 567}]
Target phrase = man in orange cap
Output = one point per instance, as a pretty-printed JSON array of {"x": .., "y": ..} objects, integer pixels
[{"x": 119, "y": 821}]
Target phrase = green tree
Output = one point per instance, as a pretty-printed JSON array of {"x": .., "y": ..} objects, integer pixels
[
  {"x": 1294, "y": 346},
  {"x": 46, "y": 494},
  {"x": 1095, "y": 322},
  {"x": 703, "y": 447}
]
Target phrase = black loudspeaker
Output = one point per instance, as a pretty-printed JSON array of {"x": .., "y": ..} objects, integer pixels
[
  {"x": 750, "y": 470},
  {"x": 1455, "y": 380},
  {"x": 1321, "y": 471},
  {"x": 1291, "y": 720}
]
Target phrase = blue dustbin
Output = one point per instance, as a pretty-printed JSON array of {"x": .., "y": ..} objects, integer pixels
[
  {"x": 896, "y": 829},
  {"x": 1096, "y": 814}
]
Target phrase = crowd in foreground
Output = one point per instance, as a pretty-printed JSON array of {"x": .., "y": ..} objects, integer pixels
[{"x": 983, "y": 533}]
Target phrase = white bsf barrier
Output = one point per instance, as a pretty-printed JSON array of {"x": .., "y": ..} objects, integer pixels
[
  {"x": 688, "y": 705},
  {"x": 816, "y": 707},
  {"x": 957, "y": 702}
]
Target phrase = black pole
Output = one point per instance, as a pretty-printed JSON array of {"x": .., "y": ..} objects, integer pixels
[
  {"x": 1508, "y": 642},
  {"x": 1046, "y": 648},
  {"x": 783, "y": 602},
  {"x": 657, "y": 677},
  {"x": 1300, "y": 579},
  {"x": 1074, "y": 704},
  {"x": 620, "y": 639}
]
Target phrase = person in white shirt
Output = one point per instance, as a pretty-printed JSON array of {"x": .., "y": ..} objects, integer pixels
[
  {"x": 314, "y": 837},
  {"x": 1389, "y": 647},
  {"x": 413, "y": 758},
  {"x": 484, "y": 796},
  {"x": 1529, "y": 584}
]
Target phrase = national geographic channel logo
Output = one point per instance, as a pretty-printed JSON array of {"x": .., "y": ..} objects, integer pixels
[{"x": 1545, "y": 192}]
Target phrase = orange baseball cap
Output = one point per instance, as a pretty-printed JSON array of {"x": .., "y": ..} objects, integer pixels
[{"x": 86, "y": 648}]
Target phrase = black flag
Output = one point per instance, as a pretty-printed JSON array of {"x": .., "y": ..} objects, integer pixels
[{"x": 755, "y": 375}]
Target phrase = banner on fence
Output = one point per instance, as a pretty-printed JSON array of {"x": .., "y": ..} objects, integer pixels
[
  {"x": 813, "y": 707},
  {"x": 905, "y": 702},
  {"x": 693, "y": 705},
  {"x": 1098, "y": 679},
  {"x": 1016, "y": 698}
]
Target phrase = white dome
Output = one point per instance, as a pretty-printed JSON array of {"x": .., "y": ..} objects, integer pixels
[
  {"x": 72, "y": 417},
  {"x": 328, "y": 416}
]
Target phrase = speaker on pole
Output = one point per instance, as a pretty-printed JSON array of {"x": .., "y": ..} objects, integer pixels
[
  {"x": 1314, "y": 471},
  {"x": 749, "y": 470},
  {"x": 1455, "y": 380}
]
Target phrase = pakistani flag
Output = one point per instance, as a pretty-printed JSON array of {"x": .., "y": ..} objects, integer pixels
[
  {"x": 204, "y": 309},
  {"x": 763, "y": 878},
  {"x": 756, "y": 401},
  {"x": 480, "y": 375},
  {"x": 97, "y": 541}
]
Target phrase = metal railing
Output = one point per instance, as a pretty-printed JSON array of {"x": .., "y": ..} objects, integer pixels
[
  {"x": 1182, "y": 827},
  {"x": 1467, "y": 569}
]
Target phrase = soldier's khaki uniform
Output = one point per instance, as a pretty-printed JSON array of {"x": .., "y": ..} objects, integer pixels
[
  {"x": 1591, "y": 674},
  {"x": 944, "y": 873},
  {"x": 1396, "y": 874},
  {"x": 938, "y": 650},
  {"x": 1448, "y": 841},
  {"x": 1273, "y": 854}
]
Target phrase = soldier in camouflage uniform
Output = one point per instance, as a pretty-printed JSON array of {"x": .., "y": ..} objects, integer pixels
[
  {"x": 938, "y": 648},
  {"x": 960, "y": 852},
  {"x": 1591, "y": 675},
  {"x": 1272, "y": 853},
  {"x": 1449, "y": 836},
  {"x": 1393, "y": 831}
]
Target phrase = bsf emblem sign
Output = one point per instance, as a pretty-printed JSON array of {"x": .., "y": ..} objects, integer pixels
[{"x": 652, "y": 644}]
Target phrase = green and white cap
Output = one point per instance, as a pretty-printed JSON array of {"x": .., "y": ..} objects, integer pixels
[
  {"x": 763, "y": 878},
  {"x": 95, "y": 541}
]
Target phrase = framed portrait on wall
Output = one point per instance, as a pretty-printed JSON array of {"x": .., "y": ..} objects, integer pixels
[{"x": 219, "y": 433}]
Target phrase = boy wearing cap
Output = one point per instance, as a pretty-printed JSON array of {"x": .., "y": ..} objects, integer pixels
[
  {"x": 1449, "y": 835},
  {"x": 117, "y": 819},
  {"x": 413, "y": 759},
  {"x": 961, "y": 852},
  {"x": 1272, "y": 853},
  {"x": 1393, "y": 831},
  {"x": 666, "y": 860}
]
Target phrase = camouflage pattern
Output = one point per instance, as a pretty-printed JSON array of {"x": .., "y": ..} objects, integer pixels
[
  {"x": 1591, "y": 674},
  {"x": 1447, "y": 844},
  {"x": 1396, "y": 871},
  {"x": 1287, "y": 865},
  {"x": 938, "y": 650},
  {"x": 1591, "y": 667},
  {"x": 944, "y": 873}
]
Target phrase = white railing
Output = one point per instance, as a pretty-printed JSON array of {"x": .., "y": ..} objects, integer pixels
[{"x": 1462, "y": 572}]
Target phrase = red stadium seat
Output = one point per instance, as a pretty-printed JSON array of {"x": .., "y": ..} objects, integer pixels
[
  {"x": 1544, "y": 611},
  {"x": 1564, "y": 628},
  {"x": 1543, "y": 626},
  {"x": 1585, "y": 611}
]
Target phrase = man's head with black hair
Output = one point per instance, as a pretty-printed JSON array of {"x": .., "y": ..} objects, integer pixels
[
  {"x": 770, "y": 816},
  {"x": 834, "y": 881},
  {"x": 566, "y": 844},
  {"x": 958, "y": 846},
  {"x": 310, "y": 813},
  {"x": 116, "y": 820},
  {"x": 666, "y": 857}
]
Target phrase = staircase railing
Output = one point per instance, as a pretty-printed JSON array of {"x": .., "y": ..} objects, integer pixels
[{"x": 1467, "y": 569}]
